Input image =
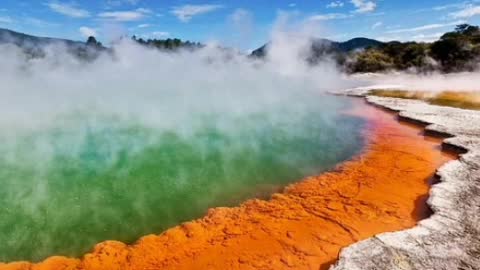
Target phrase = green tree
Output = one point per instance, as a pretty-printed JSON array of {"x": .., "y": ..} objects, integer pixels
[
  {"x": 92, "y": 42},
  {"x": 371, "y": 60},
  {"x": 458, "y": 50}
]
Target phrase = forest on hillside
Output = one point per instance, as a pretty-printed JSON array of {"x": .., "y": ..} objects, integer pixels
[
  {"x": 455, "y": 51},
  {"x": 168, "y": 44}
]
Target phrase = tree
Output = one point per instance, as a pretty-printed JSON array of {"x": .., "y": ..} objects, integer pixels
[
  {"x": 167, "y": 44},
  {"x": 414, "y": 55},
  {"x": 458, "y": 50},
  {"x": 466, "y": 29},
  {"x": 371, "y": 60},
  {"x": 92, "y": 42},
  {"x": 453, "y": 53}
]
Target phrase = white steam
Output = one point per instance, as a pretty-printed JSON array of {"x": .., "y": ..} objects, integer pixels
[
  {"x": 67, "y": 124},
  {"x": 434, "y": 82},
  {"x": 158, "y": 88}
]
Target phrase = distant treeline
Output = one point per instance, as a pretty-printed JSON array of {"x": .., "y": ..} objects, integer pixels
[
  {"x": 455, "y": 51},
  {"x": 168, "y": 44},
  {"x": 91, "y": 49}
]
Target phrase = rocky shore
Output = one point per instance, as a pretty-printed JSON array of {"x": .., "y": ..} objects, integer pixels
[{"x": 450, "y": 238}]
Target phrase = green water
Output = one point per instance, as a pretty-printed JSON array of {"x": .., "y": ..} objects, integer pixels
[{"x": 88, "y": 177}]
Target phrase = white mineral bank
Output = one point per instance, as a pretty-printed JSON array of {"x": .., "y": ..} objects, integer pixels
[{"x": 450, "y": 238}]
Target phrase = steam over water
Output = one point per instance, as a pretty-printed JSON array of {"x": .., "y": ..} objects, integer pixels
[{"x": 139, "y": 141}]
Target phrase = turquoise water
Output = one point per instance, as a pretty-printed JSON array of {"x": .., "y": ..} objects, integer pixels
[{"x": 90, "y": 176}]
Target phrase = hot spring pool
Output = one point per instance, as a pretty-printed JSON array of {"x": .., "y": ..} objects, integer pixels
[{"x": 91, "y": 176}]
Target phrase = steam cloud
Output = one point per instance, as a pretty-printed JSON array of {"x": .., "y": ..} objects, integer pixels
[
  {"x": 68, "y": 125},
  {"x": 51, "y": 106},
  {"x": 435, "y": 82},
  {"x": 137, "y": 81}
]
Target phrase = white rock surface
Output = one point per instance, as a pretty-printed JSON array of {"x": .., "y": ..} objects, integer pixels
[
  {"x": 362, "y": 91},
  {"x": 450, "y": 238}
]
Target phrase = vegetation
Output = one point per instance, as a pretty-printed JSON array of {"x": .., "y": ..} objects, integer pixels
[
  {"x": 455, "y": 51},
  {"x": 92, "y": 42},
  {"x": 34, "y": 47},
  {"x": 168, "y": 44},
  {"x": 458, "y": 50},
  {"x": 371, "y": 61},
  {"x": 464, "y": 100}
]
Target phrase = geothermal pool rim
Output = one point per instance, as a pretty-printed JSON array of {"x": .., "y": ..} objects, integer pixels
[
  {"x": 380, "y": 129},
  {"x": 450, "y": 238},
  {"x": 434, "y": 238}
]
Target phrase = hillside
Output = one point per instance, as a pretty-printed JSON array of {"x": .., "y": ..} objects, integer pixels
[
  {"x": 357, "y": 43},
  {"x": 34, "y": 46},
  {"x": 455, "y": 51},
  {"x": 25, "y": 41},
  {"x": 322, "y": 46}
]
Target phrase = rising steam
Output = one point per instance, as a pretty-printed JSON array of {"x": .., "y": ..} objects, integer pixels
[
  {"x": 434, "y": 82},
  {"x": 138, "y": 140}
]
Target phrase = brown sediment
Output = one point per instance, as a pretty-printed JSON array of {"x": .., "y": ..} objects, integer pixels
[
  {"x": 305, "y": 226},
  {"x": 456, "y": 99}
]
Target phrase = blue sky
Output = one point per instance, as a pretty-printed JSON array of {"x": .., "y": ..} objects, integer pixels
[{"x": 242, "y": 23}]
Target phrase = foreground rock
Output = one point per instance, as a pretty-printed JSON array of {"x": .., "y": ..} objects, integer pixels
[{"x": 450, "y": 239}]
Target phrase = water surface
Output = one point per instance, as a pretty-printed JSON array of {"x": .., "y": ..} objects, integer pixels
[{"x": 91, "y": 176}]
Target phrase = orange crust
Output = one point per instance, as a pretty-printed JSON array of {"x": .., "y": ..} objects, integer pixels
[{"x": 304, "y": 227}]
